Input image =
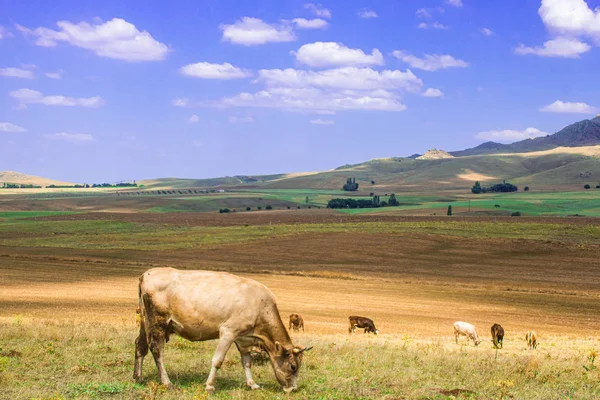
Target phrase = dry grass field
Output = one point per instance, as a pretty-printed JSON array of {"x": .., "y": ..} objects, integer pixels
[{"x": 68, "y": 298}]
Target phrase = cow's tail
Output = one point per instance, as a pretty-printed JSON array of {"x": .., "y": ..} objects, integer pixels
[{"x": 141, "y": 305}]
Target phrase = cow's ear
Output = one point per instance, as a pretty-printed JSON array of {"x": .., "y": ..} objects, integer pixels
[{"x": 278, "y": 348}]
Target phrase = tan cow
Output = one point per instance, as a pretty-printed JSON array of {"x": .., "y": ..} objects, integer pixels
[
  {"x": 205, "y": 305},
  {"x": 531, "y": 339},
  {"x": 465, "y": 329},
  {"x": 296, "y": 322}
]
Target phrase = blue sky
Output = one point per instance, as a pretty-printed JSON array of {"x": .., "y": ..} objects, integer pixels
[{"x": 106, "y": 91}]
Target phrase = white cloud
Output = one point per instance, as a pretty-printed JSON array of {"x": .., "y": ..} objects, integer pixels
[
  {"x": 303, "y": 23},
  {"x": 510, "y": 135},
  {"x": 54, "y": 75},
  {"x": 196, "y": 143},
  {"x": 366, "y": 13},
  {"x": 431, "y": 92},
  {"x": 320, "y": 121},
  {"x": 352, "y": 78},
  {"x": 28, "y": 96},
  {"x": 318, "y": 10},
  {"x": 16, "y": 73},
  {"x": 572, "y": 17},
  {"x": 206, "y": 70},
  {"x": 316, "y": 100},
  {"x": 569, "y": 107},
  {"x": 454, "y": 3},
  {"x": 4, "y": 33},
  {"x": 117, "y": 39},
  {"x": 240, "y": 120},
  {"x": 180, "y": 102},
  {"x": 71, "y": 137},
  {"x": 8, "y": 127},
  {"x": 193, "y": 119},
  {"x": 434, "y": 25},
  {"x": 559, "y": 47},
  {"x": 431, "y": 62},
  {"x": 322, "y": 54},
  {"x": 423, "y": 13},
  {"x": 487, "y": 32},
  {"x": 250, "y": 31}
]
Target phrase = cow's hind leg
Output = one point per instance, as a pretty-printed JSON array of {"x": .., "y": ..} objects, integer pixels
[
  {"x": 141, "y": 349},
  {"x": 223, "y": 346},
  {"x": 247, "y": 364},
  {"x": 156, "y": 333}
]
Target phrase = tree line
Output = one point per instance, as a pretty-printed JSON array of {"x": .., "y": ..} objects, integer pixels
[
  {"x": 497, "y": 188},
  {"x": 374, "y": 202}
]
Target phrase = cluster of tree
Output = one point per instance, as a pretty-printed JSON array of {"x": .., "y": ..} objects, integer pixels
[
  {"x": 19, "y": 186},
  {"x": 374, "y": 202},
  {"x": 587, "y": 186},
  {"x": 499, "y": 187},
  {"x": 68, "y": 186},
  {"x": 122, "y": 184},
  {"x": 350, "y": 185}
]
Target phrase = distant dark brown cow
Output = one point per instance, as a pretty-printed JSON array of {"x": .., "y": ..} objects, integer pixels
[
  {"x": 296, "y": 322},
  {"x": 497, "y": 335},
  {"x": 362, "y": 322}
]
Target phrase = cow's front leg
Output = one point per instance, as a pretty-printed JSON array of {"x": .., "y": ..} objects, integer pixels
[
  {"x": 223, "y": 346},
  {"x": 247, "y": 363}
]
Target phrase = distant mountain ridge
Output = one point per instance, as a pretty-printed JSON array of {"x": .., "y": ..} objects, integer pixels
[{"x": 582, "y": 133}]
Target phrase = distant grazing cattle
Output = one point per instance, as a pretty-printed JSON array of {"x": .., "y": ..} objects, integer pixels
[
  {"x": 362, "y": 322},
  {"x": 296, "y": 322},
  {"x": 497, "y": 335},
  {"x": 466, "y": 329},
  {"x": 531, "y": 339},
  {"x": 206, "y": 305}
]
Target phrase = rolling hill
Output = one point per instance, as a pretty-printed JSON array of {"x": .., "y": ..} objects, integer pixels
[
  {"x": 582, "y": 133},
  {"x": 17, "y": 177}
]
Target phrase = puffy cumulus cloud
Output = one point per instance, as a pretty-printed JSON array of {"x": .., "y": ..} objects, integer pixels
[
  {"x": 316, "y": 23},
  {"x": 323, "y": 54},
  {"x": 569, "y": 107},
  {"x": 180, "y": 102},
  {"x": 320, "y": 121},
  {"x": 12, "y": 72},
  {"x": 487, "y": 32},
  {"x": 559, "y": 47},
  {"x": 318, "y": 10},
  {"x": 316, "y": 100},
  {"x": 240, "y": 120},
  {"x": 432, "y": 92},
  {"x": 342, "y": 78},
  {"x": 193, "y": 119},
  {"x": 454, "y": 3},
  {"x": 431, "y": 62},
  {"x": 250, "y": 31},
  {"x": 29, "y": 96},
  {"x": 433, "y": 25},
  {"x": 8, "y": 127},
  {"x": 366, "y": 13},
  {"x": 206, "y": 70},
  {"x": 510, "y": 135},
  {"x": 71, "y": 137},
  {"x": 117, "y": 39},
  {"x": 573, "y": 17},
  {"x": 54, "y": 75}
]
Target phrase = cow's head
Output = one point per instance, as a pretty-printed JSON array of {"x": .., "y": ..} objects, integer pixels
[
  {"x": 477, "y": 342},
  {"x": 286, "y": 363}
]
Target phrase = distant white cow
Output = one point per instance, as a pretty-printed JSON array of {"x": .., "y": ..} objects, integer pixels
[{"x": 466, "y": 329}]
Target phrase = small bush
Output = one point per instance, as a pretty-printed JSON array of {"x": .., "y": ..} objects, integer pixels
[
  {"x": 224, "y": 210},
  {"x": 449, "y": 213},
  {"x": 586, "y": 186},
  {"x": 497, "y": 205},
  {"x": 371, "y": 194},
  {"x": 597, "y": 186},
  {"x": 248, "y": 208},
  {"x": 298, "y": 207},
  {"x": 372, "y": 182},
  {"x": 259, "y": 208},
  {"x": 516, "y": 214},
  {"x": 526, "y": 188},
  {"x": 289, "y": 207},
  {"x": 268, "y": 207}
]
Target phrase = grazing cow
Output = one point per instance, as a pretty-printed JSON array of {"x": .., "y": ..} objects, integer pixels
[
  {"x": 497, "y": 335},
  {"x": 296, "y": 322},
  {"x": 466, "y": 329},
  {"x": 205, "y": 305},
  {"x": 531, "y": 339},
  {"x": 362, "y": 322}
]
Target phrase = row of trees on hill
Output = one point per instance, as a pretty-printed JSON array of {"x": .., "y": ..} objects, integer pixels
[
  {"x": 374, "y": 202},
  {"x": 350, "y": 185},
  {"x": 19, "y": 186},
  {"x": 497, "y": 188}
]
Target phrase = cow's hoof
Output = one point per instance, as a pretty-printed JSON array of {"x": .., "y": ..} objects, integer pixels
[
  {"x": 254, "y": 386},
  {"x": 210, "y": 389}
]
